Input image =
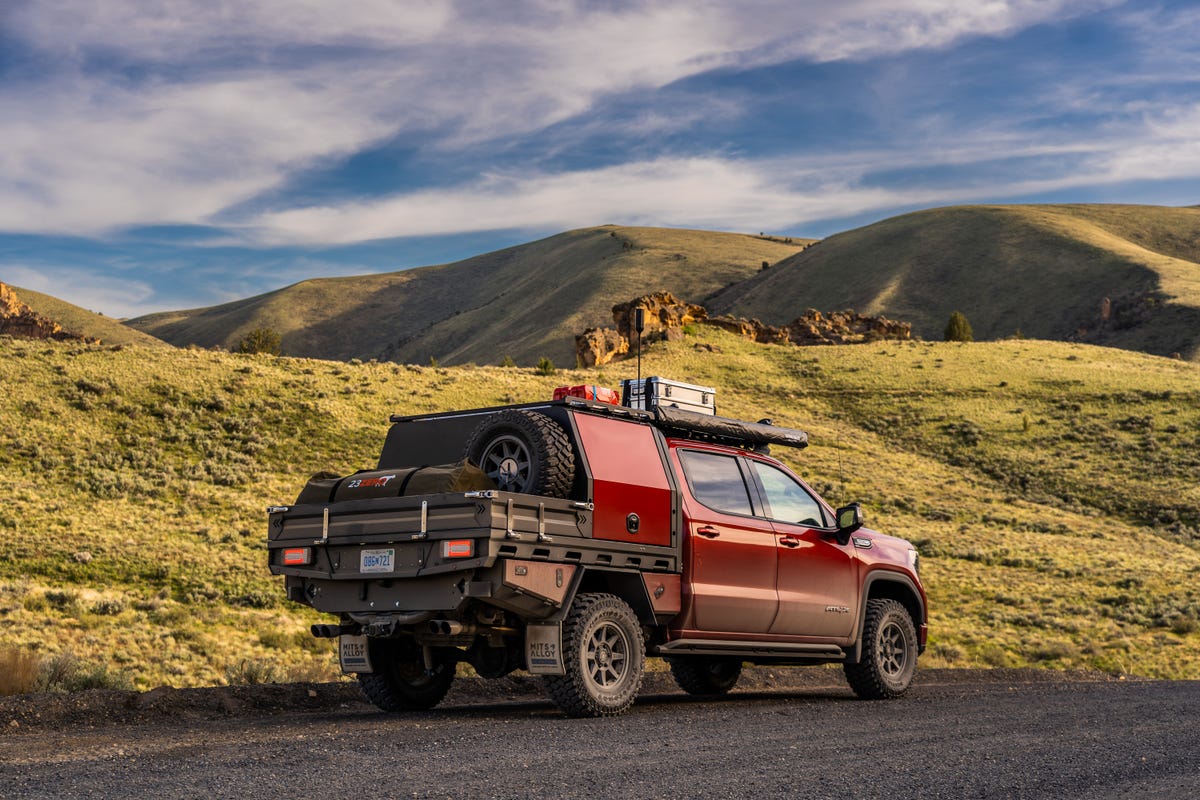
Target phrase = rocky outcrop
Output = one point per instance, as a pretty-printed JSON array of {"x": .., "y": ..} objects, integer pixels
[
  {"x": 666, "y": 317},
  {"x": 18, "y": 319},
  {"x": 844, "y": 327},
  {"x": 596, "y": 346},
  {"x": 813, "y": 328}
]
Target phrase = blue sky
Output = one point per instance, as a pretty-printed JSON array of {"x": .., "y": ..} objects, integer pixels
[{"x": 178, "y": 153}]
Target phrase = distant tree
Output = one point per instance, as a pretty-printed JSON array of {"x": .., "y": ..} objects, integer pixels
[
  {"x": 545, "y": 366},
  {"x": 507, "y": 362},
  {"x": 958, "y": 329},
  {"x": 260, "y": 340}
]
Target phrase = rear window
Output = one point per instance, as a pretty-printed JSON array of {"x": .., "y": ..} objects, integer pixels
[{"x": 716, "y": 481}]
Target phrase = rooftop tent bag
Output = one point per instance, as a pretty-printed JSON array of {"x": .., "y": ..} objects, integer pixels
[{"x": 327, "y": 487}]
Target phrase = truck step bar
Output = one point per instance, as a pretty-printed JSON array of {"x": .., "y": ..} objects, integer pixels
[{"x": 725, "y": 647}]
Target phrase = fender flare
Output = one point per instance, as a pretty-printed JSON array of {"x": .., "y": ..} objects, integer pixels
[{"x": 912, "y": 599}]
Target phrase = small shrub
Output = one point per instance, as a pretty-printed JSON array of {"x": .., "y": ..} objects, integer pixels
[
  {"x": 254, "y": 671},
  {"x": 507, "y": 362},
  {"x": 255, "y": 598},
  {"x": 958, "y": 329},
  {"x": 108, "y": 607},
  {"x": 545, "y": 366},
  {"x": 1056, "y": 650},
  {"x": 313, "y": 672},
  {"x": 62, "y": 599},
  {"x": 66, "y": 673},
  {"x": 260, "y": 340}
]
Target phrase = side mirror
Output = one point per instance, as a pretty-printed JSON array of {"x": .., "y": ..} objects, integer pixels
[{"x": 849, "y": 519}]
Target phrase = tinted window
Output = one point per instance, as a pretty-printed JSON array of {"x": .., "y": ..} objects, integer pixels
[
  {"x": 716, "y": 481},
  {"x": 788, "y": 500}
]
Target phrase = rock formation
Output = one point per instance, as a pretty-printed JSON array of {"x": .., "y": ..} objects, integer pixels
[
  {"x": 596, "y": 346},
  {"x": 18, "y": 319},
  {"x": 666, "y": 317}
]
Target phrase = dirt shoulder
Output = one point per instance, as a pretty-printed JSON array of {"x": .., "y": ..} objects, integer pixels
[{"x": 102, "y": 708}]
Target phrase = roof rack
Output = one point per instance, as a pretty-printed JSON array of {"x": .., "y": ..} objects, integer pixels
[{"x": 683, "y": 424}]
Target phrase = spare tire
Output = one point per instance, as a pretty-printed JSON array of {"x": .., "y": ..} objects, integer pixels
[{"x": 524, "y": 451}]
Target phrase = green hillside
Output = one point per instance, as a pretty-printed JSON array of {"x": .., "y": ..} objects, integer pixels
[
  {"x": 1043, "y": 271},
  {"x": 83, "y": 322},
  {"x": 1053, "y": 489},
  {"x": 525, "y": 302}
]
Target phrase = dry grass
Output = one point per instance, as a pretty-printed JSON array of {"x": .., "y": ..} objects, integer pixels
[
  {"x": 18, "y": 671},
  {"x": 1051, "y": 488}
]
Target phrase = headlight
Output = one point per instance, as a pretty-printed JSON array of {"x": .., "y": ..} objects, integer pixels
[{"x": 914, "y": 561}]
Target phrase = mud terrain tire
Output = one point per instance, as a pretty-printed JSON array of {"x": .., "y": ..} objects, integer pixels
[
  {"x": 400, "y": 681},
  {"x": 705, "y": 675},
  {"x": 889, "y": 652},
  {"x": 605, "y": 656},
  {"x": 524, "y": 451}
]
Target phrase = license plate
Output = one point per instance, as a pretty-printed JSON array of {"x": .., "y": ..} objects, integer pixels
[{"x": 377, "y": 560}]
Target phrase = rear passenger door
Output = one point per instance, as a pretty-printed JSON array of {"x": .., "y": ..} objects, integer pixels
[
  {"x": 731, "y": 551},
  {"x": 818, "y": 578}
]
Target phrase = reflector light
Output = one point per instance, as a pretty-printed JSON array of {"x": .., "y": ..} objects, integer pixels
[
  {"x": 297, "y": 556},
  {"x": 458, "y": 548}
]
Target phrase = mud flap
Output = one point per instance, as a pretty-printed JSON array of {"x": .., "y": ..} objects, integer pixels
[
  {"x": 543, "y": 649},
  {"x": 354, "y": 655}
]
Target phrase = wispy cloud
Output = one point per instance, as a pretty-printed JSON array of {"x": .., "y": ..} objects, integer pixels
[
  {"x": 153, "y": 112},
  {"x": 116, "y": 296}
]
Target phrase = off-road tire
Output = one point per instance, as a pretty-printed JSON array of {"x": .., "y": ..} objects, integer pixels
[
  {"x": 605, "y": 657},
  {"x": 889, "y": 652},
  {"x": 400, "y": 681},
  {"x": 524, "y": 451},
  {"x": 705, "y": 675}
]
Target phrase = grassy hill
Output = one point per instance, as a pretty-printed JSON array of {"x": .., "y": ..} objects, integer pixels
[
  {"x": 1053, "y": 489},
  {"x": 525, "y": 302},
  {"x": 83, "y": 322},
  {"x": 1041, "y": 270}
]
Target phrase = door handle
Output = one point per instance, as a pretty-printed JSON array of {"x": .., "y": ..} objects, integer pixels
[
  {"x": 708, "y": 531},
  {"x": 788, "y": 541}
]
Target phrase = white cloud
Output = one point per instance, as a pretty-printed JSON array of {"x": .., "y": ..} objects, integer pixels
[
  {"x": 174, "y": 111},
  {"x": 1168, "y": 148},
  {"x": 179, "y": 30},
  {"x": 118, "y": 296},
  {"x": 692, "y": 192},
  {"x": 750, "y": 194}
]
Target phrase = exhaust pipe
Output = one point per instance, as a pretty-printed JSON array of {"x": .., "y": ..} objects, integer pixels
[
  {"x": 449, "y": 627},
  {"x": 333, "y": 631}
]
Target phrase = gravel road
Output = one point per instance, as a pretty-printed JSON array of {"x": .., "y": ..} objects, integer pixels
[{"x": 958, "y": 734}]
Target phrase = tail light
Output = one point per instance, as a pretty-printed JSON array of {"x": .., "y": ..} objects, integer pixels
[
  {"x": 458, "y": 548},
  {"x": 297, "y": 556}
]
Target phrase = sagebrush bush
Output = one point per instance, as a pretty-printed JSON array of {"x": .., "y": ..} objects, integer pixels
[{"x": 254, "y": 671}]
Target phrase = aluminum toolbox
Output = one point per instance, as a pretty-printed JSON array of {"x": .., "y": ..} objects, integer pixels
[{"x": 650, "y": 393}]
